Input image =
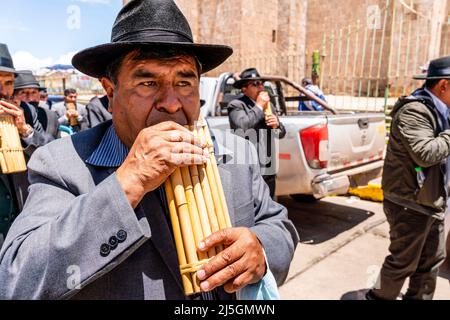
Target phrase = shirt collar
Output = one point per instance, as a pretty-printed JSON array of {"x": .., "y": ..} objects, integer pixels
[
  {"x": 442, "y": 108},
  {"x": 111, "y": 152}
]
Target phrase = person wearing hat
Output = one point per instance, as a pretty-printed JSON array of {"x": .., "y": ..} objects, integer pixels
[
  {"x": 13, "y": 187},
  {"x": 307, "y": 105},
  {"x": 65, "y": 114},
  {"x": 99, "y": 227},
  {"x": 247, "y": 117},
  {"x": 26, "y": 92},
  {"x": 416, "y": 184}
]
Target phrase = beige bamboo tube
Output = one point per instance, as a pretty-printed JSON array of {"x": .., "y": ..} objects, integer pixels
[
  {"x": 214, "y": 186},
  {"x": 201, "y": 206},
  {"x": 186, "y": 279},
  {"x": 11, "y": 148},
  {"x": 268, "y": 110},
  {"x": 193, "y": 210},
  {"x": 185, "y": 223},
  {"x": 215, "y": 168}
]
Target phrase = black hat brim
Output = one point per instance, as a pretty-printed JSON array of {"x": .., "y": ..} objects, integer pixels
[
  {"x": 425, "y": 77},
  {"x": 94, "y": 61},
  {"x": 240, "y": 83},
  {"x": 10, "y": 70}
]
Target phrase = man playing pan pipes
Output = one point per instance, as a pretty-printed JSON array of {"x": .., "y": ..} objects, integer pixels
[
  {"x": 99, "y": 227},
  {"x": 13, "y": 187}
]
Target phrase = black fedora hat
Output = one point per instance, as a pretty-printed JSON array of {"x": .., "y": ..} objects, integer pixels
[
  {"x": 437, "y": 69},
  {"x": 6, "y": 62},
  {"x": 150, "y": 25},
  {"x": 26, "y": 80},
  {"x": 250, "y": 74}
]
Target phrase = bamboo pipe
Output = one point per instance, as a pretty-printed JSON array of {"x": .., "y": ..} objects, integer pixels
[
  {"x": 187, "y": 281},
  {"x": 217, "y": 176},
  {"x": 193, "y": 210},
  {"x": 213, "y": 185},
  {"x": 185, "y": 223}
]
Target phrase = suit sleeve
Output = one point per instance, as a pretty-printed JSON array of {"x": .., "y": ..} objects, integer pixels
[
  {"x": 239, "y": 119},
  {"x": 55, "y": 242},
  {"x": 39, "y": 138},
  {"x": 272, "y": 226},
  {"x": 418, "y": 136}
]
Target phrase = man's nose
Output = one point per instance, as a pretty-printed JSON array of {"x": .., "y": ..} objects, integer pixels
[{"x": 168, "y": 101}]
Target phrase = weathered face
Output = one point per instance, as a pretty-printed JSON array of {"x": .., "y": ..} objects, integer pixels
[
  {"x": 253, "y": 88},
  {"x": 71, "y": 98},
  {"x": 152, "y": 91},
  {"x": 27, "y": 95},
  {"x": 6, "y": 85}
]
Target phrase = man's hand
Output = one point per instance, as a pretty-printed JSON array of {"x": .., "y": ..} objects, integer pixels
[
  {"x": 71, "y": 113},
  {"x": 240, "y": 264},
  {"x": 17, "y": 113},
  {"x": 154, "y": 156},
  {"x": 263, "y": 100},
  {"x": 272, "y": 121}
]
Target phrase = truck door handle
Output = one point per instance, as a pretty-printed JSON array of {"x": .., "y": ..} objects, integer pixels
[{"x": 363, "y": 123}]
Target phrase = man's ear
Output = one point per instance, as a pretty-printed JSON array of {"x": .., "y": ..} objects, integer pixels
[{"x": 109, "y": 88}]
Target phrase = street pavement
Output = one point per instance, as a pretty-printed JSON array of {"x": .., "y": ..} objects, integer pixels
[{"x": 344, "y": 241}]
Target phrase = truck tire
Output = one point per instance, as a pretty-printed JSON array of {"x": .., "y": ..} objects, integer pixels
[{"x": 305, "y": 198}]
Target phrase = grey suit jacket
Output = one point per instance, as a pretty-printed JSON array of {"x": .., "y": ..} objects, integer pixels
[
  {"x": 60, "y": 109},
  {"x": 73, "y": 208},
  {"x": 245, "y": 115},
  {"x": 97, "y": 111}
]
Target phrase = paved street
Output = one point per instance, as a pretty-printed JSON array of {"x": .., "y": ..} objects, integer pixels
[{"x": 343, "y": 244}]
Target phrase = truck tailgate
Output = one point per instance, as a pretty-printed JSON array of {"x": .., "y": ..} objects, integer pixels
[{"x": 355, "y": 139}]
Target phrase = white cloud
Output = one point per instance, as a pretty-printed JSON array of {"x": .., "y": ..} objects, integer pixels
[{"x": 24, "y": 60}]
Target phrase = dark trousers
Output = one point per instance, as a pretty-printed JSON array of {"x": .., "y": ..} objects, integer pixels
[
  {"x": 271, "y": 182},
  {"x": 417, "y": 250}
]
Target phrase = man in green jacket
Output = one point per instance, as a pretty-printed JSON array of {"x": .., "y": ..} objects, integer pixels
[{"x": 416, "y": 184}]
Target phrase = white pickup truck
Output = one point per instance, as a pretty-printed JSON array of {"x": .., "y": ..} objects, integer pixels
[{"x": 323, "y": 153}]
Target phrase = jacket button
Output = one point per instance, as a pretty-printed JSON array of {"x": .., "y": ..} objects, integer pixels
[
  {"x": 104, "y": 250},
  {"x": 121, "y": 236},
  {"x": 113, "y": 242}
]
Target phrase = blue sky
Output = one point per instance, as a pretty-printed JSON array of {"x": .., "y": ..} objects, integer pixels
[{"x": 39, "y": 32}]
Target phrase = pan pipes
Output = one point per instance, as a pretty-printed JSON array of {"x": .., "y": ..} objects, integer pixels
[
  {"x": 73, "y": 120},
  {"x": 11, "y": 152},
  {"x": 268, "y": 109},
  {"x": 198, "y": 208}
]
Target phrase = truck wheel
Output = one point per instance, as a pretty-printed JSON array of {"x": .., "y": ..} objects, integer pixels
[{"x": 308, "y": 198}]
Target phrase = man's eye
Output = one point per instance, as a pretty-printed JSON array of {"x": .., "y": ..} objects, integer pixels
[
  {"x": 184, "y": 84},
  {"x": 149, "y": 83}
]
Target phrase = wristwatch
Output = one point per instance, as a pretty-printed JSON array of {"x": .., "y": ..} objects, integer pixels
[{"x": 30, "y": 130}]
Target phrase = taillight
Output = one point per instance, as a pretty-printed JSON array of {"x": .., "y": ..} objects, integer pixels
[{"x": 315, "y": 145}]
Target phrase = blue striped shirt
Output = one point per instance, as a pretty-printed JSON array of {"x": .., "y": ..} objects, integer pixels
[{"x": 111, "y": 152}]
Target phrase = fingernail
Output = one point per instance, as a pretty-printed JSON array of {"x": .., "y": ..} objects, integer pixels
[
  {"x": 201, "y": 274},
  {"x": 205, "y": 159},
  {"x": 205, "y": 152},
  {"x": 204, "y": 286},
  {"x": 202, "y": 245}
]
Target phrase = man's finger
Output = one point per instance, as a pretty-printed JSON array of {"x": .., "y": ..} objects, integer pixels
[
  {"x": 183, "y": 147},
  {"x": 239, "y": 282},
  {"x": 224, "y": 236},
  {"x": 9, "y": 105},
  {"x": 183, "y": 136},
  {"x": 186, "y": 159},
  {"x": 223, "y": 276}
]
